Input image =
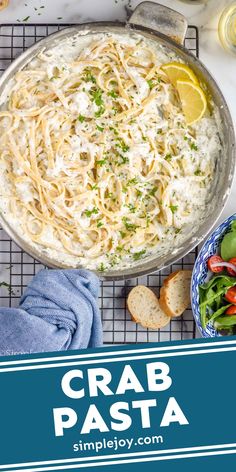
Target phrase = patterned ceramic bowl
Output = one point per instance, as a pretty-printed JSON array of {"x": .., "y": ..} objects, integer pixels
[{"x": 201, "y": 274}]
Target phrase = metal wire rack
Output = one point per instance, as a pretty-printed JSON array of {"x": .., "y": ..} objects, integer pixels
[{"x": 17, "y": 268}]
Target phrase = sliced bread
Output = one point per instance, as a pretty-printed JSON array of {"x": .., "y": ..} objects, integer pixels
[
  {"x": 144, "y": 308},
  {"x": 175, "y": 293}
]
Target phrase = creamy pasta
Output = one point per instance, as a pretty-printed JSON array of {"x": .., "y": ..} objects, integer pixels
[{"x": 98, "y": 166}]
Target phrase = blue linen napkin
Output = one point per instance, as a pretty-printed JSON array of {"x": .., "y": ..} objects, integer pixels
[{"x": 58, "y": 311}]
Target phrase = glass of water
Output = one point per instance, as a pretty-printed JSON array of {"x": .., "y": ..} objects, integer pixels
[{"x": 227, "y": 28}]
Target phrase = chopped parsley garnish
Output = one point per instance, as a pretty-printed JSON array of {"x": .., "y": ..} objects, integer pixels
[
  {"x": 133, "y": 181},
  {"x": 102, "y": 162},
  {"x": 122, "y": 233},
  {"x": 125, "y": 148},
  {"x": 97, "y": 98},
  {"x": 81, "y": 118},
  {"x": 129, "y": 226},
  {"x": 89, "y": 213},
  {"x": 138, "y": 255},
  {"x": 89, "y": 77},
  {"x": 124, "y": 160},
  {"x": 99, "y": 224},
  {"x": 177, "y": 230},
  {"x": 100, "y": 128},
  {"x": 100, "y": 111},
  {"x": 120, "y": 248},
  {"x": 173, "y": 208},
  {"x": 153, "y": 191},
  {"x": 121, "y": 144},
  {"x": 113, "y": 94},
  {"x": 132, "y": 208},
  {"x": 26, "y": 19},
  {"x": 168, "y": 157},
  {"x": 138, "y": 193},
  {"x": 114, "y": 130},
  {"x": 197, "y": 172},
  {"x": 94, "y": 187},
  {"x": 114, "y": 259},
  {"x": 110, "y": 195},
  {"x": 193, "y": 146},
  {"x": 8, "y": 286},
  {"x": 101, "y": 267},
  {"x": 151, "y": 84}
]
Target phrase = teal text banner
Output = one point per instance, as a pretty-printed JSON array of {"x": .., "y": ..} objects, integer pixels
[{"x": 164, "y": 406}]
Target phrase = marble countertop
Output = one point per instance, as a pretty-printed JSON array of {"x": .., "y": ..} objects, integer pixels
[{"x": 220, "y": 63}]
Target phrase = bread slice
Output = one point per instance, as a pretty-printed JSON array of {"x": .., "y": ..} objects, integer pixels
[
  {"x": 144, "y": 308},
  {"x": 175, "y": 293}
]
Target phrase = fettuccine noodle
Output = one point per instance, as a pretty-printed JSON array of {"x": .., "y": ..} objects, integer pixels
[{"x": 98, "y": 163}]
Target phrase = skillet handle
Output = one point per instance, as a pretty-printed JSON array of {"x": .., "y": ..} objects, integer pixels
[{"x": 160, "y": 18}]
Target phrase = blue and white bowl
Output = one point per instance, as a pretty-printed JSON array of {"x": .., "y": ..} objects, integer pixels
[{"x": 201, "y": 274}]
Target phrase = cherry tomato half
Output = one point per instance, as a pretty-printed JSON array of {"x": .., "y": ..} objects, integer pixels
[
  {"x": 231, "y": 295},
  {"x": 231, "y": 310},
  {"x": 214, "y": 260},
  {"x": 231, "y": 271}
]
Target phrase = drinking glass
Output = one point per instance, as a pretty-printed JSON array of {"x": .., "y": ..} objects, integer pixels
[{"x": 227, "y": 28}]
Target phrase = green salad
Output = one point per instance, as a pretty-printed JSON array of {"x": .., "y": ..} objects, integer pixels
[{"x": 218, "y": 295}]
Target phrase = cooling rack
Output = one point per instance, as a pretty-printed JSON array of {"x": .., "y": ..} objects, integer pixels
[{"x": 17, "y": 268}]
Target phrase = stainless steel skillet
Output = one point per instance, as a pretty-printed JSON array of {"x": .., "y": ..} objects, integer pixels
[{"x": 168, "y": 28}]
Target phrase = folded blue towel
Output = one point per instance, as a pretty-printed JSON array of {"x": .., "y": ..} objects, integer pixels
[{"x": 58, "y": 311}]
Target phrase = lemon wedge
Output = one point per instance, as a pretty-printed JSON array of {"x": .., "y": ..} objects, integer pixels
[
  {"x": 193, "y": 100},
  {"x": 177, "y": 71}
]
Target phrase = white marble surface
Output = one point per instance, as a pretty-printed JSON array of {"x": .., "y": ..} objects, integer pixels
[{"x": 220, "y": 63}]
